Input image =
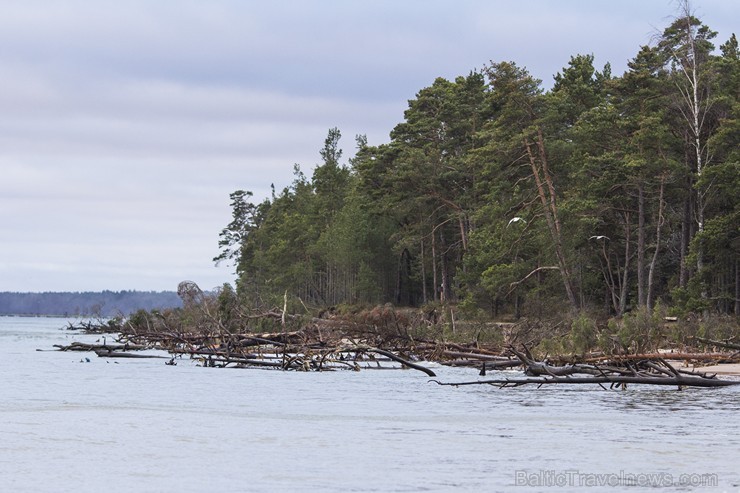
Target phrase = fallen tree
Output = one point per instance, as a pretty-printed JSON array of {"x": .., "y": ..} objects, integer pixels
[
  {"x": 383, "y": 338},
  {"x": 81, "y": 346},
  {"x": 106, "y": 353},
  {"x": 614, "y": 380},
  {"x": 631, "y": 371}
]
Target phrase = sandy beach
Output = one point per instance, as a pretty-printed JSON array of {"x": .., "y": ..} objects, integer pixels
[{"x": 725, "y": 369}]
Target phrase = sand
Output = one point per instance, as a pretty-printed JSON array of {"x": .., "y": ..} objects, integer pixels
[{"x": 721, "y": 369}]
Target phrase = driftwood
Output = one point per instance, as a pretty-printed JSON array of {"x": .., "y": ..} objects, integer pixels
[
  {"x": 298, "y": 360},
  {"x": 614, "y": 380},
  {"x": 648, "y": 372},
  {"x": 475, "y": 356},
  {"x": 109, "y": 350},
  {"x": 278, "y": 338},
  {"x": 489, "y": 365},
  {"x": 81, "y": 346},
  {"x": 223, "y": 362},
  {"x": 90, "y": 327},
  {"x": 381, "y": 339},
  {"x": 724, "y": 344},
  {"x": 378, "y": 338},
  {"x": 398, "y": 359},
  {"x": 104, "y": 353},
  {"x": 709, "y": 357}
]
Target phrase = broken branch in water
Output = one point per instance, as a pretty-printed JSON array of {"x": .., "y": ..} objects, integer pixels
[
  {"x": 679, "y": 381},
  {"x": 645, "y": 372}
]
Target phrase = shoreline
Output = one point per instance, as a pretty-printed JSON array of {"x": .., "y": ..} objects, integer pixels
[{"x": 723, "y": 369}]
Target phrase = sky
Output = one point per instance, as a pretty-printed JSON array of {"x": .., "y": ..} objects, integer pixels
[{"x": 124, "y": 126}]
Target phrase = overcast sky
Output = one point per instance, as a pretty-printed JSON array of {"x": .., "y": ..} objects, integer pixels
[{"x": 124, "y": 125}]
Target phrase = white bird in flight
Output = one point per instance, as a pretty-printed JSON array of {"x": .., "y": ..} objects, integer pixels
[
  {"x": 599, "y": 237},
  {"x": 515, "y": 220}
]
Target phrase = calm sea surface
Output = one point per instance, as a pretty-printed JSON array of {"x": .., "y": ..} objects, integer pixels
[{"x": 139, "y": 425}]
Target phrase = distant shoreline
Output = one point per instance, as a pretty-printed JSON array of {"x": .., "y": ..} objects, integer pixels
[
  {"x": 85, "y": 304},
  {"x": 32, "y": 315}
]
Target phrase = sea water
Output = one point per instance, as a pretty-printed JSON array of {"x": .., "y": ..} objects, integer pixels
[{"x": 72, "y": 421}]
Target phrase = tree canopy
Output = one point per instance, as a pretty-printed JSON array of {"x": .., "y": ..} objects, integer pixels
[{"x": 604, "y": 192}]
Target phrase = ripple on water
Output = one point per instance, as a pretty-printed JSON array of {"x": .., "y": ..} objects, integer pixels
[{"x": 160, "y": 428}]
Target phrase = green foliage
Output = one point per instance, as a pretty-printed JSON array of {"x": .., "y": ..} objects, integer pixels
[
  {"x": 227, "y": 308},
  {"x": 554, "y": 345},
  {"x": 140, "y": 319},
  {"x": 246, "y": 218},
  {"x": 583, "y": 334},
  {"x": 512, "y": 202},
  {"x": 638, "y": 332},
  {"x": 719, "y": 328}
]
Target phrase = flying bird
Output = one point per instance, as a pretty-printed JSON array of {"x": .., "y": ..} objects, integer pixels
[
  {"x": 599, "y": 237},
  {"x": 515, "y": 220}
]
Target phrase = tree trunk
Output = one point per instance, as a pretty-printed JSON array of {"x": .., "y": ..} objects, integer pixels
[
  {"x": 623, "y": 292},
  {"x": 693, "y": 95},
  {"x": 445, "y": 288},
  {"x": 653, "y": 262},
  {"x": 549, "y": 204},
  {"x": 737, "y": 287},
  {"x": 686, "y": 234},
  {"x": 434, "y": 266},
  {"x": 424, "y": 297},
  {"x": 641, "y": 291},
  {"x": 463, "y": 232}
]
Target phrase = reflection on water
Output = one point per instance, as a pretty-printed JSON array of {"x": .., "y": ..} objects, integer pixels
[
  {"x": 686, "y": 400},
  {"x": 143, "y": 426}
]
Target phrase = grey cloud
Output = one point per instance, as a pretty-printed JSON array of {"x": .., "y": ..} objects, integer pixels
[{"x": 125, "y": 125}]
